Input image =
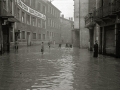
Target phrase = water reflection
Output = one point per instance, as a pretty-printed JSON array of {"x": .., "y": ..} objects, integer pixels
[
  {"x": 58, "y": 69},
  {"x": 57, "y": 74}
]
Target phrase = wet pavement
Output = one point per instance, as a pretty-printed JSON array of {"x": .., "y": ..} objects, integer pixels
[{"x": 58, "y": 69}]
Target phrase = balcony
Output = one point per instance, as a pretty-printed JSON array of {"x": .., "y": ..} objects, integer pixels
[
  {"x": 89, "y": 21},
  {"x": 108, "y": 11},
  {"x": 116, "y": 6},
  {"x": 7, "y": 11}
]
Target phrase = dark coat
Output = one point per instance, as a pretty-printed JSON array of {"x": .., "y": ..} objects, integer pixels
[{"x": 95, "y": 50}]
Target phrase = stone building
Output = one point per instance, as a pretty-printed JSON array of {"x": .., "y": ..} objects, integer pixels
[
  {"x": 80, "y": 33},
  {"x": 66, "y": 30},
  {"x": 106, "y": 16},
  {"x": 7, "y": 21},
  {"x": 29, "y": 22}
]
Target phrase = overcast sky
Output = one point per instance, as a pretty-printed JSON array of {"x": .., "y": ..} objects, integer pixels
[{"x": 65, "y": 6}]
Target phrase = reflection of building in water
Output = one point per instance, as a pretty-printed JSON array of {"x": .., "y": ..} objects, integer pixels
[{"x": 28, "y": 21}]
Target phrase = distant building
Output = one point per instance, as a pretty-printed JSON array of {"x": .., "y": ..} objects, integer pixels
[
  {"x": 29, "y": 22},
  {"x": 80, "y": 33},
  {"x": 66, "y": 30}
]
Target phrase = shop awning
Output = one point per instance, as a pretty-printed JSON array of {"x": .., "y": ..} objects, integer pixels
[
  {"x": 13, "y": 19},
  {"x": 10, "y": 18}
]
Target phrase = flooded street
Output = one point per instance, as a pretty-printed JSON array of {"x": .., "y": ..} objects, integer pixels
[{"x": 58, "y": 69}]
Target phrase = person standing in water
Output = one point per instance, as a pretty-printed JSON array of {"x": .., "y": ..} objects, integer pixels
[
  {"x": 95, "y": 54},
  {"x": 42, "y": 47}
]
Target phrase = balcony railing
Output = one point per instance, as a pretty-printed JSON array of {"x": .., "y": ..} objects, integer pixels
[
  {"x": 116, "y": 6},
  {"x": 107, "y": 10},
  {"x": 89, "y": 20}
]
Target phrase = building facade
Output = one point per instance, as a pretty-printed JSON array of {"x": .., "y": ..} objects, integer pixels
[
  {"x": 66, "y": 30},
  {"x": 7, "y": 20},
  {"x": 80, "y": 33},
  {"x": 106, "y": 16},
  {"x": 29, "y": 22},
  {"x": 90, "y": 24}
]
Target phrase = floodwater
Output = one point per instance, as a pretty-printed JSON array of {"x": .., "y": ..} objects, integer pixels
[{"x": 58, "y": 69}]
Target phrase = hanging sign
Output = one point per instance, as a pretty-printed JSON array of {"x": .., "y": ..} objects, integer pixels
[{"x": 30, "y": 10}]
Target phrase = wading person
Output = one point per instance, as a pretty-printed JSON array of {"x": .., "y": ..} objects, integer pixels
[
  {"x": 49, "y": 45},
  {"x": 42, "y": 48},
  {"x": 95, "y": 54}
]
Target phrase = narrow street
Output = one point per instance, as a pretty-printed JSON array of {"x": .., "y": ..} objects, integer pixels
[{"x": 58, "y": 69}]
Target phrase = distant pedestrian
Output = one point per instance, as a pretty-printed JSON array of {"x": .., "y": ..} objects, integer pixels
[
  {"x": 66, "y": 45},
  {"x": 70, "y": 45},
  {"x": 49, "y": 45},
  {"x": 42, "y": 47},
  {"x": 95, "y": 54},
  {"x": 16, "y": 45},
  {"x": 60, "y": 45}
]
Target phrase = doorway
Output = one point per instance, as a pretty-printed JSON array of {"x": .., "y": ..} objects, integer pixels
[{"x": 6, "y": 41}]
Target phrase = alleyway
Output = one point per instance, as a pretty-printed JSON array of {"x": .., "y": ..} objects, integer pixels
[{"x": 58, "y": 69}]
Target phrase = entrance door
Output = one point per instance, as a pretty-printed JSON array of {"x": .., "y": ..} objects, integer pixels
[
  {"x": 110, "y": 41},
  {"x": 28, "y": 38},
  {"x": 6, "y": 43}
]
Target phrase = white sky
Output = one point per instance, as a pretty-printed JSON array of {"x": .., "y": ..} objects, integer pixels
[{"x": 65, "y": 6}]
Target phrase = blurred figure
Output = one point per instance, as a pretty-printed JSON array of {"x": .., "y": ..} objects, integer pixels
[
  {"x": 49, "y": 45},
  {"x": 95, "y": 54},
  {"x": 42, "y": 47},
  {"x": 60, "y": 45},
  {"x": 16, "y": 46}
]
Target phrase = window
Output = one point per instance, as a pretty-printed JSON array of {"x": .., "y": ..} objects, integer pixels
[
  {"x": 10, "y": 6},
  {"x": 39, "y": 36},
  {"x": 19, "y": 34},
  {"x": 39, "y": 22},
  {"x": 48, "y": 22},
  {"x": 50, "y": 10},
  {"x": 34, "y": 35},
  {"x": 34, "y": 21},
  {"x": 23, "y": 17},
  {"x": 4, "y": 4},
  {"x": 39, "y": 6},
  {"x": 23, "y": 34},
  {"x": 43, "y": 36},
  {"x": 18, "y": 13},
  {"x": 48, "y": 34},
  {"x": 30, "y": 2},
  {"x": 44, "y": 9},
  {"x": 28, "y": 19},
  {"x": 43, "y": 24}
]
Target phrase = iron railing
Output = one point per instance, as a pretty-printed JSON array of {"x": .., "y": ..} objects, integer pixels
[{"x": 110, "y": 9}]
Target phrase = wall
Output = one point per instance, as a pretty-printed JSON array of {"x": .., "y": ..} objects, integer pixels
[
  {"x": 84, "y": 32},
  {"x": 66, "y": 30}
]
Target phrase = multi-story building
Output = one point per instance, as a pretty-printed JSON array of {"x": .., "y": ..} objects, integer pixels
[
  {"x": 53, "y": 30},
  {"x": 106, "y": 15},
  {"x": 66, "y": 30},
  {"x": 7, "y": 20},
  {"x": 80, "y": 33},
  {"x": 28, "y": 22},
  {"x": 90, "y": 23}
]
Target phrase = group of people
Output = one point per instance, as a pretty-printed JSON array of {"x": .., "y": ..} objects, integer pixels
[
  {"x": 68, "y": 45},
  {"x": 95, "y": 50},
  {"x": 49, "y": 45}
]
